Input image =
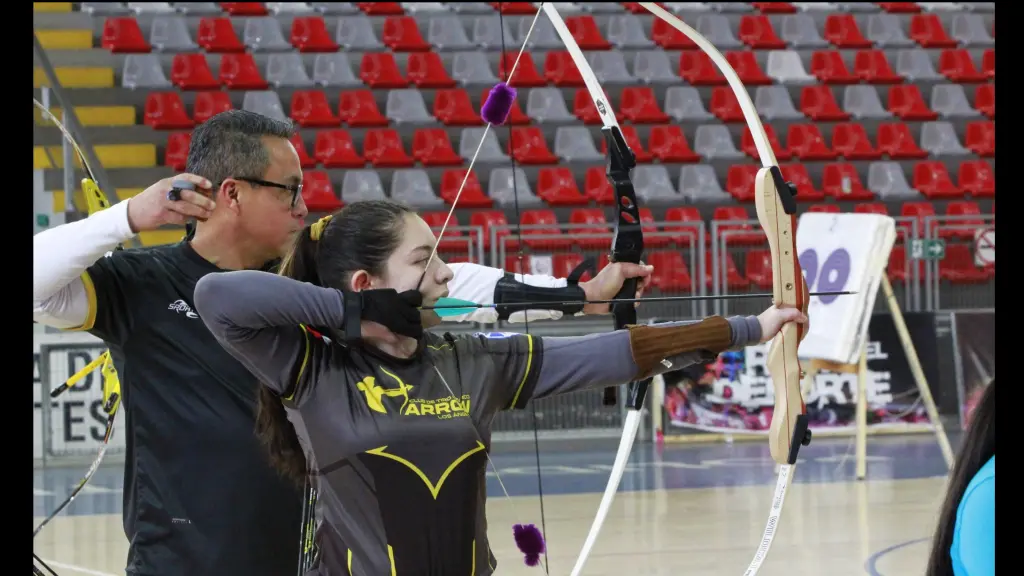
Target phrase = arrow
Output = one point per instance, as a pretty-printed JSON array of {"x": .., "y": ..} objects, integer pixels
[{"x": 455, "y": 307}]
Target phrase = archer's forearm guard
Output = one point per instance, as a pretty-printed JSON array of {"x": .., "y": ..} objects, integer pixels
[{"x": 511, "y": 296}]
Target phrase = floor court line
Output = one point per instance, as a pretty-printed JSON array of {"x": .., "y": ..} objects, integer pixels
[{"x": 871, "y": 566}]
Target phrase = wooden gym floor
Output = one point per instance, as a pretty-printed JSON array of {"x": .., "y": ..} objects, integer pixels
[{"x": 681, "y": 509}]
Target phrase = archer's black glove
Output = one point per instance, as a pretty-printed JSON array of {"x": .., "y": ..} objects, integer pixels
[{"x": 398, "y": 312}]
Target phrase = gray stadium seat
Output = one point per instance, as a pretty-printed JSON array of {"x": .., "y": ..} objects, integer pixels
[
  {"x": 862, "y": 102},
  {"x": 575, "y": 144},
  {"x": 545, "y": 105},
  {"x": 334, "y": 69},
  {"x": 730, "y": 6},
  {"x": 412, "y": 186},
  {"x": 774, "y": 103},
  {"x": 491, "y": 151},
  {"x": 445, "y": 32},
  {"x": 265, "y": 102},
  {"x": 652, "y": 184},
  {"x": 654, "y": 67},
  {"x": 287, "y": 69},
  {"x": 915, "y": 65},
  {"x": 950, "y": 101},
  {"x": 799, "y": 31},
  {"x": 683, "y": 103},
  {"x": 887, "y": 180},
  {"x": 358, "y": 185},
  {"x": 289, "y": 8},
  {"x": 816, "y": 6},
  {"x": 264, "y": 34},
  {"x": 627, "y": 31},
  {"x": 197, "y": 8},
  {"x": 406, "y": 106},
  {"x": 170, "y": 34},
  {"x": 486, "y": 33},
  {"x": 979, "y": 6},
  {"x": 609, "y": 66},
  {"x": 143, "y": 71},
  {"x": 940, "y": 6},
  {"x": 472, "y": 69},
  {"x": 857, "y": 7},
  {"x": 356, "y": 33},
  {"x": 713, "y": 142},
  {"x": 886, "y": 31},
  {"x": 503, "y": 191},
  {"x": 151, "y": 7},
  {"x": 685, "y": 7},
  {"x": 600, "y": 7},
  {"x": 786, "y": 67},
  {"x": 970, "y": 30},
  {"x": 424, "y": 7},
  {"x": 335, "y": 8},
  {"x": 940, "y": 139},
  {"x": 471, "y": 8},
  {"x": 105, "y": 8},
  {"x": 565, "y": 8},
  {"x": 717, "y": 29},
  {"x": 697, "y": 182},
  {"x": 543, "y": 37}
]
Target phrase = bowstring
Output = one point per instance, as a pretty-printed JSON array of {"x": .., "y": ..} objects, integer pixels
[{"x": 507, "y": 78}]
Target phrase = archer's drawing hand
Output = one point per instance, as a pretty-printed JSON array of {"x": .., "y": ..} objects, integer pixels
[
  {"x": 609, "y": 281},
  {"x": 152, "y": 209},
  {"x": 774, "y": 318}
]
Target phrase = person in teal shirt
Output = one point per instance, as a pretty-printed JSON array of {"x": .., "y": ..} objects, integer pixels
[{"x": 964, "y": 541}]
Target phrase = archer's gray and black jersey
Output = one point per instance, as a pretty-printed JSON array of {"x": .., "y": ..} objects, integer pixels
[
  {"x": 200, "y": 497},
  {"x": 400, "y": 444}
]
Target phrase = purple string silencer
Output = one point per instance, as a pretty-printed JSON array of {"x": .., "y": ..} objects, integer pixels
[{"x": 498, "y": 104}]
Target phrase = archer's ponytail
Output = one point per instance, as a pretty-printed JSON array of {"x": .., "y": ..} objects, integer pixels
[{"x": 300, "y": 263}]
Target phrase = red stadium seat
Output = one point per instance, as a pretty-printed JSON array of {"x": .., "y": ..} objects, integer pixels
[
  {"x": 318, "y": 192},
  {"x": 977, "y": 178},
  {"x": 425, "y": 70},
  {"x": 634, "y": 143},
  {"x": 244, "y": 8},
  {"x": 774, "y": 7},
  {"x": 453, "y": 108},
  {"x": 563, "y": 265},
  {"x": 401, "y": 34},
  {"x": 239, "y": 72},
  {"x": 896, "y": 141},
  {"x": 697, "y": 69},
  {"x": 733, "y": 279},
  {"x": 958, "y": 67},
  {"x": 489, "y": 219},
  {"x": 652, "y": 235},
  {"x": 526, "y": 74},
  {"x": 217, "y": 35},
  {"x": 958, "y": 266},
  {"x": 685, "y": 227},
  {"x": 927, "y": 30},
  {"x": 828, "y": 67},
  {"x": 557, "y": 187},
  {"x": 871, "y": 208},
  {"x": 873, "y": 67},
  {"x": 358, "y": 109},
  {"x": 305, "y": 160},
  {"x": 758, "y": 33},
  {"x": 311, "y": 109},
  {"x": 671, "y": 274},
  {"x": 514, "y": 8},
  {"x": 725, "y": 106},
  {"x": 806, "y": 143},
  {"x": 748, "y": 145},
  {"x": 851, "y": 141},
  {"x": 841, "y": 181},
  {"x": 988, "y": 62},
  {"x": 596, "y": 186},
  {"x": 668, "y": 38},
  {"x": 818, "y": 103},
  {"x": 383, "y": 148},
  {"x": 918, "y": 211},
  {"x": 379, "y": 70},
  {"x": 453, "y": 240},
  {"x": 431, "y": 147},
  {"x": 985, "y": 99},
  {"x": 638, "y": 105},
  {"x": 176, "y": 151},
  {"x": 335, "y": 149},
  {"x": 727, "y": 213},
  {"x": 593, "y": 232},
  {"x": 527, "y": 146},
  {"x": 797, "y": 173},
  {"x": 841, "y": 31},
  {"x": 166, "y": 111},
  {"x": 309, "y": 34},
  {"x": 472, "y": 194},
  {"x": 980, "y": 137},
  {"x": 747, "y": 68},
  {"x": 933, "y": 181},
  {"x": 759, "y": 267},
  {"x": 584, "y": 30},
  {"x": 210, "y": 104},
  {"x": 191, "y": 72},
  {"x": 899, "y": 7},
  {"x": 381, "y": 8},
  {"x": 541, "y": 231},
  {"x": 123, "y": 36},
  {"x": 561, "y": 71},
  {"x": 739, "y": 181},
  {"x": 958, "y": 228},
  {"x": 668, "y": 144},
  {"x": 584, "y": 108},
  {"x": 824, "y": 208}
]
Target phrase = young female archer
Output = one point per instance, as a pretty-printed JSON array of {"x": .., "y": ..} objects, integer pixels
[{"x": 394, "y": 422}]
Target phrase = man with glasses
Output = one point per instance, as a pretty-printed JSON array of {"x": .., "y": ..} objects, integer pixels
[{"x": 200, "y": 497}]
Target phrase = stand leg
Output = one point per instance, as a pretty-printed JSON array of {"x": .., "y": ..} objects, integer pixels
[
  {"x": 862, "y": 414},
  {"x": 915, "y": 368}
]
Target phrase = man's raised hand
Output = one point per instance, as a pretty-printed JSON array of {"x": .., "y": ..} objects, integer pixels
[{"x": 152, "y": 208}]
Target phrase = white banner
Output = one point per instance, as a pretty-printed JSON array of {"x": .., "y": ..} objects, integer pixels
[{"x": 842, "y": 252}]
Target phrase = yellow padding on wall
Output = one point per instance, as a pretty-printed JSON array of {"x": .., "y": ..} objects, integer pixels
[
  {"x": 77, "y": 77},
  {"x": 161, "y": 237},
  {"x": 58, "y": 198},
  {"x": 65, "y": 39},
  {"x": 109, "y": 155},
  {"x": 51, "y": 6},
  {"x": 94, "y": 115}
]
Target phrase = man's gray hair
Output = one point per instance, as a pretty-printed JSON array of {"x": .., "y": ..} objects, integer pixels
[{"x": 228, "y": 145}]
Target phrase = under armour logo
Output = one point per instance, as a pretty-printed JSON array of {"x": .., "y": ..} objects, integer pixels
[{"x": 181, "y": 306}]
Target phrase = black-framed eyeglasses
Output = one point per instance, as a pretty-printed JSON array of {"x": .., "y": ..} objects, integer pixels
[{"x": 295, "y": 189}]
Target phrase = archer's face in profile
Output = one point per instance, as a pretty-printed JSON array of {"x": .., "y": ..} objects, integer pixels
[{"x": 407, "y": 263}]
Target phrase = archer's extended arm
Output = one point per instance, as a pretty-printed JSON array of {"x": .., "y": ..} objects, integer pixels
[
  {"x": 486, "y": 285},
  {"x": 61, "y": 255}
]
